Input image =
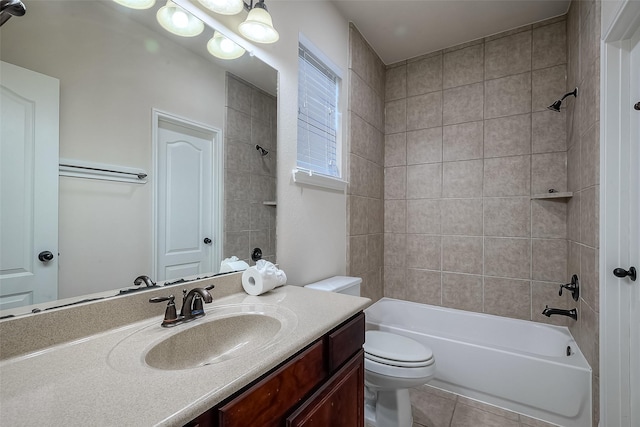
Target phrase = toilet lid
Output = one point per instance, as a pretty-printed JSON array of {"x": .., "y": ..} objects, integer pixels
[{"x": 392, "y": 347}]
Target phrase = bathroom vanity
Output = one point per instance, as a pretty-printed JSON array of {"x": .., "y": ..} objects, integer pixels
[
  {"x": 322, "y": 385},
  {"x": 291, "y": 357}
]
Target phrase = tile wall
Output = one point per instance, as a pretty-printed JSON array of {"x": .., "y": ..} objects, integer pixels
[
  {"x": 468, "y": 141},
  {"x": 250, "y": 179},
  {"x": 365, "y": 204},
  {"x": 583, "y": 176}
]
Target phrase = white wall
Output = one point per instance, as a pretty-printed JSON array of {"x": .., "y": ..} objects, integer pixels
[
  {"x": 311, "y": 223},
  {"x": 105, "y": 228}
]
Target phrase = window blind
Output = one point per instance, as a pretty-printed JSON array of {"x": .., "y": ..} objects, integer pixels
[{"x": 317, "y": 115}]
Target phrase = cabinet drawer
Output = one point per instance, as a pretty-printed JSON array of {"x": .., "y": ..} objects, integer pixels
[
  {"x": 267, "y": 402},
  {"x": 338, "y": 403},
  {"x": 345, "y": 341}
]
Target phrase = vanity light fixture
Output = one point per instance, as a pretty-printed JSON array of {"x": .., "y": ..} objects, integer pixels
[
  {"x": 178, "y": 21},
  {"x": 223, "y": 48},
  {"x": 136, "y": 4},
  {"x": 258, "y": 26},
  {"x": 224, "y": 7}
]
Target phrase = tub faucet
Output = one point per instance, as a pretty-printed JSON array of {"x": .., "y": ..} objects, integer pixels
[{"x": 573, "y": 313}]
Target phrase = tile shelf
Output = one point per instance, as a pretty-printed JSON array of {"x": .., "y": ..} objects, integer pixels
[{"x": 564, "y": 195}]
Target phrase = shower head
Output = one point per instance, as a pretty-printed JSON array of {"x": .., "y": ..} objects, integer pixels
[
  {"x": 9, "y": 8},
  {"x": 556, "y": 105}
]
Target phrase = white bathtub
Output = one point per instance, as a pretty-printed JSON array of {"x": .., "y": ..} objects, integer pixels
[{"x": 517, "y": 365}]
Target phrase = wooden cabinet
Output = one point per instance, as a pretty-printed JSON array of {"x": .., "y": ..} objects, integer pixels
[
  {"x": 333, "y": 404},
  {"x": 322, "y": 385}
]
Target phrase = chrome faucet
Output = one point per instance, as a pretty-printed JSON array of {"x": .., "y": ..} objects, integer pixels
[
  {"x": 143, "y": 279},
  {"x": 191, "y": 306},
  {"x": 573, "y": 313}
]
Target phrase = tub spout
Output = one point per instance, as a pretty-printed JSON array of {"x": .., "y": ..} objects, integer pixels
[{"x": 573, "y": 313}]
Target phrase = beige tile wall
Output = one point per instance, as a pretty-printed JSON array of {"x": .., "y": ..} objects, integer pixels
[
  {"x": 468, "y": 140},
  {"x": 250, "y": 179},
  {"x": 366, "y": 208},
  {"x": 583, "y": 175}
]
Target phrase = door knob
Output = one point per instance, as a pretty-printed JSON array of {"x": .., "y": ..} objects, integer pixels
[
  {"x": 621, "y": 272},
  {"x": 207, "y": 241},
  {"x": 45, "y": 256}
]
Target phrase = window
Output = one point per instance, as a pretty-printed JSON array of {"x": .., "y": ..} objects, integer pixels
[{"x": 318, "y": 116}]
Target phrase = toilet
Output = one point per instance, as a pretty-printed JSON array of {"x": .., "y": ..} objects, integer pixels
[{"x": 393, "y": 364}]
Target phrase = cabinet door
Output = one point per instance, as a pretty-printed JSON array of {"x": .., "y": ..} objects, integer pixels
[
  {"x": 345, "y": 341},
  {"x": 266, "y": 403},
  {"x": 338, "y": 403}
]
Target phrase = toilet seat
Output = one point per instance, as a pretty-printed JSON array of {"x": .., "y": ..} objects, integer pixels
[
  {"x": 398, "y": 363},
  {"x": 397, "y": 376},
  {"x": 396, "y": 350}
]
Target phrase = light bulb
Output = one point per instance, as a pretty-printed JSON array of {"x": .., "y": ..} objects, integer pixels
[
  {"x": 223, "y": 48},
  {"x": 227, "y": 45},
  {"x": 258, "y": 26},
  {"x": 179, "y": 19}
]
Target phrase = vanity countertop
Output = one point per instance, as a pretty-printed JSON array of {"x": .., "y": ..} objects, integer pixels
[{"x": 85, "y": 383}]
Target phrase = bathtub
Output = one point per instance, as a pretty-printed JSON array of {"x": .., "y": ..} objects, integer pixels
[{"x": 514, "y": 364}]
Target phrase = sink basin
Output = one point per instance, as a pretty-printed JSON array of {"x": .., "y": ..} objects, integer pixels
[
  {"x": 213, "y": 342},
  {"x": 228, "y": 332}
]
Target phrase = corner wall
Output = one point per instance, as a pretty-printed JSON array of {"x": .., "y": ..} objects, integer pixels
[
  {"x": 583, "y": 177},
  {"x": 365, "y": 208}
]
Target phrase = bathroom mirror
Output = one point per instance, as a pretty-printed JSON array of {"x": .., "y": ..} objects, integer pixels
[{"x": 119, "y": 70}]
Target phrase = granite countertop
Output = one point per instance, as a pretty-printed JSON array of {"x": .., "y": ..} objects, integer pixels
[{"x": 103, "y": 380}]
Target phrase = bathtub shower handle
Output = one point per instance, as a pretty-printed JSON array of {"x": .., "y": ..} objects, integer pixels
[{"x": 574, "y": 287}]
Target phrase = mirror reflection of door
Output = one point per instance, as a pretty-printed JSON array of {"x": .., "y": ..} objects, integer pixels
[
  {"x": 29, "y": 133},
  {"x": 187, "y": 230}
]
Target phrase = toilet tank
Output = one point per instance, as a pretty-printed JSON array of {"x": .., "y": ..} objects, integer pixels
[{"x": 340, "y": 284}]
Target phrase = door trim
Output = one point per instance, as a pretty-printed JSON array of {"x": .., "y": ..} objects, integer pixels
[
  {"x": 217, "y": 187},
  {"x": 615, "y": 105}
]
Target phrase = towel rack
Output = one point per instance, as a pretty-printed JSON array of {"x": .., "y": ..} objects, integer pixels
[{"x": 90, "y": 170}]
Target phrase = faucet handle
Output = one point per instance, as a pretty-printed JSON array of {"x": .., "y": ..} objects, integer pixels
[
  {"x": 574, "y": 287},
  {"x": 170, "y": 315}
]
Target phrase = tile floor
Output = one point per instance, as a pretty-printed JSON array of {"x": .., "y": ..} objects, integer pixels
[{"x": 436, "y": 408}]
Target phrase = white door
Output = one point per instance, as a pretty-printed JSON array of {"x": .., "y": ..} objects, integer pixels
[
  {"x": 29, "y": 104},
  {"x": 185, "y": 197},
  {"x": 634, "y": 229},
  {"x": 620, "y": 217}
]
